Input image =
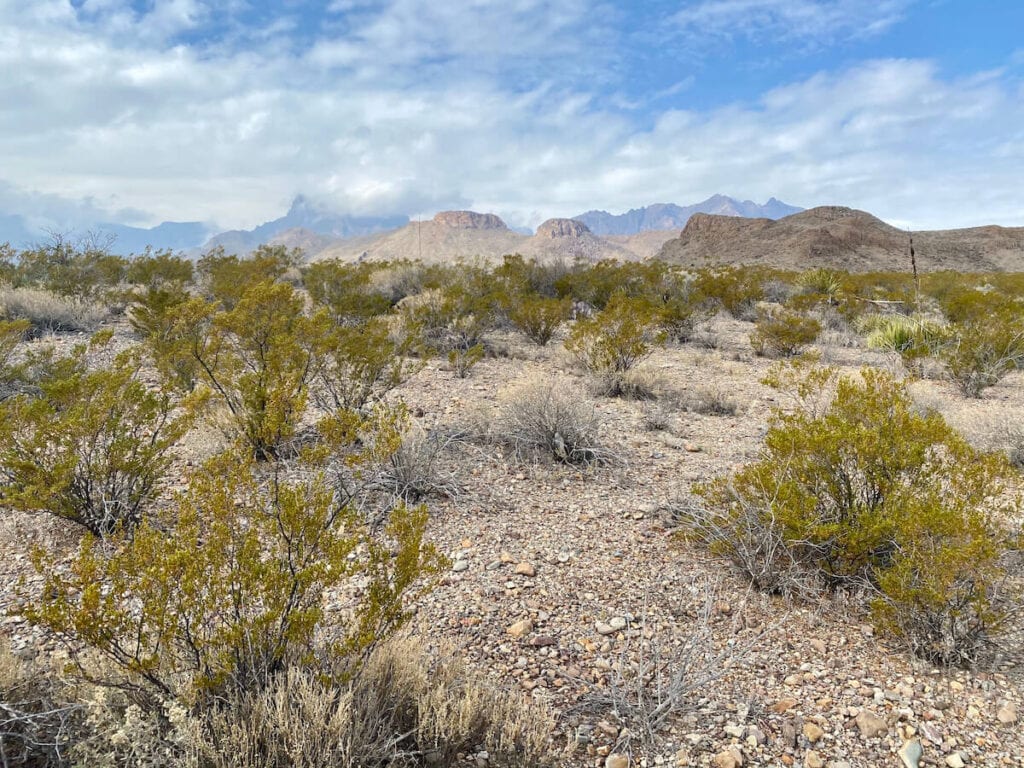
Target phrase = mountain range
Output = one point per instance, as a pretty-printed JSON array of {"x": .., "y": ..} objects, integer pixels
[
  {"x": 661, "y": 216},
  {"x": 314, "y": 227}
]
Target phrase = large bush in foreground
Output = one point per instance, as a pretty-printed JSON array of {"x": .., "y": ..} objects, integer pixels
[
  {"x": 231, "y": 594},
  {"x": 866, "y": 492}
]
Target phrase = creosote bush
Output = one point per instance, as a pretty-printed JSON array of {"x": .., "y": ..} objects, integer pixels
[
  {"x": 91, "y": 446},
  {"x": 538, "y": 317},
  {"x": 782, "y": 332},
  {"x": 865, "y": 492},
  {"x": 229, "y": 595},
  {"x": 616, "y": 338},
  {"x": 980, "y": 353}
]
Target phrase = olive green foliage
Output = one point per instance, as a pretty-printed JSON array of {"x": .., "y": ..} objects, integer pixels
[
  {"x": 160, "y": 268},
  {"x": 346, "y": 291},
  {"x": 538, "y": 317},
  {"x": 258, "y": 358},
  {"x": 822, "y": 284},
  {"x": 736, "y": 289},
  {"x": 359, "y": 364},
  {"x": 442, "y": 320},
  {"x": 91, "y": 447},
  {"x": 11, "y": 372},
  {"x": 230, "y": 594},
  {"x": 617, "y": 338},
  {"x": 681, "y": 305},
  {"x": 226, "y": 278},
  {"x": 781, "y": 332},
  {"x": 865, "y": 491},
  {"x": 981, "y": 352},
  {"x": 84, "y": 270},
  {"x": 516, "y": 276}
]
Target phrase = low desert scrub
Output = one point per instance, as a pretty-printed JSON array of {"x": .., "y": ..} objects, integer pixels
[
  {"x": 658, "y": 676},
  {"x": 91, "y": 446},
  {"x": 708, "y": 401},
  {"x": 415, "y": 470},
  {"x": 49, "y": 312},
  {"x": 402, "y": 708},
  {"x": 981, "y": 353},
  {"x": 36, "y": 723},
  {"x": 782, "y": 333},
  {"x": 617, "y": 338},
  {"x": 550, "y": 419},
  {"x": 912, "y": 337},
  {"x": 657, "y": 415},
  {"x": 867, "y": 493},
  {"x": 11, "y": 372},
  {"x": 538, "y": 317},
  {"x": 641, "y": 383}
]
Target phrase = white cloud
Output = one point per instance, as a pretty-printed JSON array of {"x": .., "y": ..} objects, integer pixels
[
  {"x": 806, "y": 20},
  {"x": 396, "y": 117}
]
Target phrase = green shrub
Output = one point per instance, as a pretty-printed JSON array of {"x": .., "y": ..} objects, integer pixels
[
  {"x": 617, "y": 338},
  {"x": 359, "y": 365},
  {"x": 225, "y": 279},
  {"x": 868, "y": 492},
  {"x": 11, "y": 373},
  {"x": 982, "y": 352},
  {"x": 538, "y": 317},
  {"x": 92, "y": 447},
  {"x": 463, "y": 360},
  {"x": 737, "y": 290},
  {"x": 230, "y": 594},
  {"x": 782, "y": 332},
  {"x": 159, "y": 269},
  {"x": 346, "y": 291},
  {"x": 258, "y": 359}
]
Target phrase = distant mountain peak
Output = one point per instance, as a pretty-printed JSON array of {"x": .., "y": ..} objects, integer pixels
[{"x": 671, "y": 216}]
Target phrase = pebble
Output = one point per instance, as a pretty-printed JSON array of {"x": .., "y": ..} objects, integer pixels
[
  {"x": 460, "y": 565},
  {"x": 813, "y": 760},
  {"x": 813, "y": 732},
  {"x": 870, "y": 724},
  {"x": 954, "y": 761},
  {"x": 910, "y": 753},
  {"x": 526, "y": 569},
  {"x": 1007, "y": 714},
  {"x": 615, "y": 760},
  {"x": 520, "y": 628}
]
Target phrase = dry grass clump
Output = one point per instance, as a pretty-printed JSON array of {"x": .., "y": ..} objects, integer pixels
[
  {"x": 402, "y": 708},
  {"x": 49, "y": 312},
  {"x": 708, "y": 401},
  {"x": 550, "y": 418},
  {"x": 415, "y": 470},
  {"x": 634, "y": 384},
  {"x": 35, "y": 724}
]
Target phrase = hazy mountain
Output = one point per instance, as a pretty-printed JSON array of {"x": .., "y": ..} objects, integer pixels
[
  {"x": 841, "y": 238},
  {"x": 173, "y": 235},
  {"x": 670, "y": 216},
  {"x": 306, "y": 215}
]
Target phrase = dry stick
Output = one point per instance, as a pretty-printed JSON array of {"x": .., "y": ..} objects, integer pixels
[{"x": 917, "y": 278}]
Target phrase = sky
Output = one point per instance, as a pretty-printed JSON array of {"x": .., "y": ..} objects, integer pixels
[{"x": 140, "y": 111}]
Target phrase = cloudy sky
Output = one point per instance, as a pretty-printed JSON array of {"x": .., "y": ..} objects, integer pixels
[{"x": 139, "y": 111}]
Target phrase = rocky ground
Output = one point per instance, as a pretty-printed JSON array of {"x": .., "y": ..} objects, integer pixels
[{"x": 565, "y": 583}]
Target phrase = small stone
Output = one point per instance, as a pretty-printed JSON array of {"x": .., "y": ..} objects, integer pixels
[
  {"x": 819, "y": 645},
  {"x": 604, "y": 629},
  {"x": 541, "y": 641},
  {"x": 954, "y": 760},
  {"x": 782, "y": 705},
  {"x": 505, "y": 557},
  {"x": 730, "y": 758},
  {"x": 870, "y": 724},
  {"x": 813, "y": 760},
  {"x": 520, "y": 628},
  {"x": 525, "y": 569},
  {"x": 813, "y": 732},
  {"x": 615, "y": 760},
  {"x": 460, "y": 565},
  {"x": 1007, "y": 714},
  {"x": 618, "y": 623},
  {"x": 736, "y": 731},
  {"x": 910, "y": 753}
]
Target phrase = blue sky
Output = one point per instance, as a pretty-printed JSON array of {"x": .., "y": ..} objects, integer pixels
[{"x": 141, "y": 111}]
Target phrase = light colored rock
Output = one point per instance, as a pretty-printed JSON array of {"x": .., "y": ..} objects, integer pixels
[
  {"x": 604, "y": 629},
  {"x": 615, "y": 760},
  {"x": 1007, "y": 714},
  {"x": 526, "y": 569},
  {"x": 819, "y": 645},
  {"x": 910, "y": 753},
  {"x": 813, "y": 732},
  {"x": 870, "y": 724},
  {"x": 460, "y": 565},
  {"x": 955, "y": 761},
  {"x": 813, "y": 760},
  {"x": 618, "y": 623},
  {"x": 520, "y": 628},
  {"x": 730, "y": 758}
]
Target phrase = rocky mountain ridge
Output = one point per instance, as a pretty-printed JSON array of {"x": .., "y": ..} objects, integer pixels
[{"x": 662, "y": 216}]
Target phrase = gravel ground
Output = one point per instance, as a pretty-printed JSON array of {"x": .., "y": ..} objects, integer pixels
[{"x": 565, "y": 582}]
